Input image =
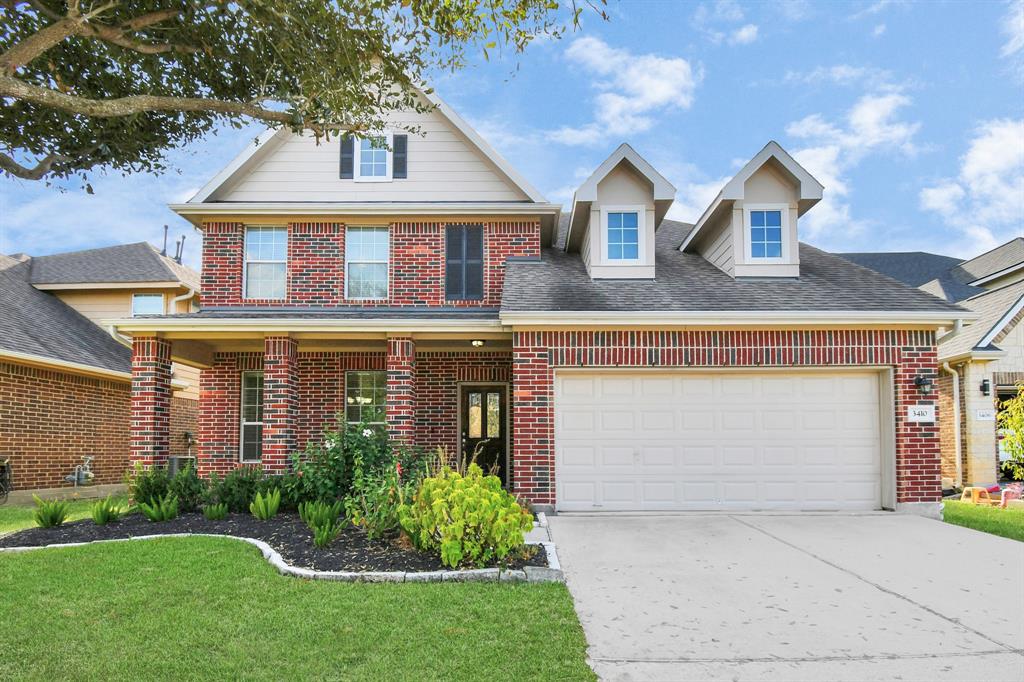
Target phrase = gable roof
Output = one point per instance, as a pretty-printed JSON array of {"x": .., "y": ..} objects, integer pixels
[
  {"x": 930, "y": 272},
  {"x": 686, "y": 283},
  {"x": 996, "y": 310},
  {"x": 271, "y": 139},
  {"x": 39, "y": 325},
  {"x": 1001, "y": 260},
  {"x": 809, "y": 190},
  {"x": 664, "y": 192},
  {"x": 121, "y": 264}
]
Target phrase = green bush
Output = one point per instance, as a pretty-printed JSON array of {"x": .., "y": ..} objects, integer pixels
[
  {"x": 237, "y": 488},
  {"x": 163, "y": 509},
  {"x": 326, "y": 533},
  {"x": 325, "y": 470},
  {"x": 50, "y": 513},
  {"x": 467, "y": 520},
  {"x": 104, "y": 511},
  {"x": 188, "y": 488},
  {"x": 319, "y": 513},
  {"x": 376, "y": 498},
  {"x": 147, "y": 484},
  {"x": 265, "y": 507},
  {"x": 215, "y": 512}
]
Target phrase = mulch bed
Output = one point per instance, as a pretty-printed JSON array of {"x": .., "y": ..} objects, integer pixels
[{"x": 286, "y": 533}]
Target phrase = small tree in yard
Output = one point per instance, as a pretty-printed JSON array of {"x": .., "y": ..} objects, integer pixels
[
  {"x": 1011, "y": 421},
  {"x": 116, "y": 83}
]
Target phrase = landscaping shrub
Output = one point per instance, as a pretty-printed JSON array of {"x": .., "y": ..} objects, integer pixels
[
  {"x": 326, "y": 533},
  {"x": 376, "y": 498},
  {"x": 215, "y": 512},
  {"x": 319, "y": 513},
  {"x": 163, "y": 509},
  {"x": 265, "y": 507},
  {"x": 325, "y": 470},
  {"x": 467, "y": 519},
  {"x": 147, "y": 484},
  {"x": 50, "y": 513},
  {"x": 104, "y": 511},
  {"x": 237, "y": 488},
  {"x": 188, "y": 488}
]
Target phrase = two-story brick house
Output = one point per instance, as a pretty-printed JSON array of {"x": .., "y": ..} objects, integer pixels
[{"x": 607, "y": 357}]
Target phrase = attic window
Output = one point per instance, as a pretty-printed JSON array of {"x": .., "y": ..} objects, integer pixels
[
  {"x": 766, "y": 234},
  {"x": 622, "y": 236}
]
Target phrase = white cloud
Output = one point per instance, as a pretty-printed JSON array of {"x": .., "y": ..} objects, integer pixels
[
  {"x": 844, "y": 74},
  {"x": 873, "y": 8},
  {"x": 794, "y": 10},
  {"x": 878, "y": 30},
  {"x": 744, "y": 35},
  {"x": 1013, "y": 28},
  {"x": 633, "y": 88},
  {"x": 985, "y": 202},
  {"x": 872, "y": 125}
]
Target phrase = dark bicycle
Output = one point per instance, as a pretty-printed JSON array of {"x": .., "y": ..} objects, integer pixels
[{"x": 5, "y": 479}]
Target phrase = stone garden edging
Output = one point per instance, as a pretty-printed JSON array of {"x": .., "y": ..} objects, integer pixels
[{"x": 529, "y": 574}]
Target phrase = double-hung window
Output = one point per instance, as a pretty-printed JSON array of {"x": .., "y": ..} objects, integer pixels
[
  {"x": 765, "y": 234},
  {"x": 251, "y": 449},
  {"x": 147, "y": 304},
  {"x": 266, "y": 262},
  {"x": 464, "y": 263},
  {"x": 377, "y": 158},
  {"x": 365, "y": 396},
  {"x": 366, "y": 263}
]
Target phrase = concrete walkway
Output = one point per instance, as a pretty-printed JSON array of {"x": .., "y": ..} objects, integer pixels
[{"x": 794, "y": 597}]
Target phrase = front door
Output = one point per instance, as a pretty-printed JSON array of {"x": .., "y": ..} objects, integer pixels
[{"x": 484, "y": 424}]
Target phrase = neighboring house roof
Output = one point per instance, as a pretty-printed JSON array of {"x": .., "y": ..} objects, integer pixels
[
  {"x": 930, "y": 272},
  {"x": 34, "y": 323},
  {"x": 997, "y": 309},
  {"x": 121, "y": 264},
  {"x": 687, "y": 282},
  {"x": 1007, "y": 257}
]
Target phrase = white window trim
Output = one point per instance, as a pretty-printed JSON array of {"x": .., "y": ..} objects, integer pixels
[
  {"x": 784, "y": 211},
  {"x": 641, "y": 224},
  {"x": 163, "y": 303},
  {"x": 350, "y": 372},
  {"x": 387, "y": 290},
  {"x": 246, "y": 261},
  {"x": 241, "y": 419},
  {"x": 357, "y": 152}
]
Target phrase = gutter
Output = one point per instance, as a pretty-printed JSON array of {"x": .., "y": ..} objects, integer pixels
[
  {"x": 956, "y": 423},
  {"x": 184, "y": 297},
  {"x": 262, "y": 325},
  {"x": 563, "y": 318}
]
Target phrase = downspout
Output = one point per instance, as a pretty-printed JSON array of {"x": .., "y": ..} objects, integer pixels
[
  {"x": 956, "y": 423},
  {"x": 184, "y": 297}
]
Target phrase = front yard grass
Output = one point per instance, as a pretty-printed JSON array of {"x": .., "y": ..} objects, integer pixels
[
  {"x": 18, "y": 516},
  {"x": 1008, "y": 523},
  {"x": 212, "y": 608}
]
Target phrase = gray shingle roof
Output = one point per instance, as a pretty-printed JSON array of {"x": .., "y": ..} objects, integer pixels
[
  {"x": 992, "y": 306},
  {"x": 1009, "y": 254},
  {"x": 687, "y": 282},
  {"x": 37, "y": 323},
  {"x": 910, "y": 267},
  {"x": 139, "y": 262}
]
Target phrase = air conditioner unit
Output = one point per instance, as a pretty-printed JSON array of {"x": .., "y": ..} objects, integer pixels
[{"x": 176, "y": 464}]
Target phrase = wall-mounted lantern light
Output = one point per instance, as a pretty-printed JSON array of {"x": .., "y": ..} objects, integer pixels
[
  {"x": 477, "y": 343},
  {"x": 924, "y": 384},
  {"x": 986, "y": 387}
]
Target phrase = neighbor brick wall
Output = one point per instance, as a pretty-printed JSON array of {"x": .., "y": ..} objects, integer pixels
[
  {"x": 537, "y": 354},
  {"x": 316, "y": 263},
  {"x": 49, "y": 420},
  {"x": 151, "y": 400}
]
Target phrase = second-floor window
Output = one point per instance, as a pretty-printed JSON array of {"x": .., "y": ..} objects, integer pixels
[
  {"x": 366, "y": 262},
  {"x": 464, "y": 263},
  {"x": 147, "y": 304},
  {"x": 266, "y": 262}
]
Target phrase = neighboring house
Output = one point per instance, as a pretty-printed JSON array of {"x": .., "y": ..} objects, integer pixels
[
  {"x": 65, "y": 381},
  {"x": 982, "y": 364},
  {"x": 607, "y": 359}
]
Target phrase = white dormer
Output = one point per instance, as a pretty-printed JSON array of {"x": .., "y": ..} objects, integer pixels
[
  {"x": 750, "y": 229},
  {"x": 615, "y": 214}
]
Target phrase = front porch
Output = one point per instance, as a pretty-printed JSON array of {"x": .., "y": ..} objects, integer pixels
[{"x": 264, "y": 398}]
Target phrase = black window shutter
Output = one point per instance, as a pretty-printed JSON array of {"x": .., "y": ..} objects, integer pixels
[
  {"x": 464, "y": 271},
  {"x": 347, "y": 157},
  {"x": 400, "y": 156}
]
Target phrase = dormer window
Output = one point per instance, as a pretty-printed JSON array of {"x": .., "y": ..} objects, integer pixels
[
  {"x": 623, "y": 234},
  {"x": 765, "y": 229}
]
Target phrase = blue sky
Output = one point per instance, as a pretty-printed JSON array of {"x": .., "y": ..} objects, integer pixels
[{"x": 910, "y": 114}]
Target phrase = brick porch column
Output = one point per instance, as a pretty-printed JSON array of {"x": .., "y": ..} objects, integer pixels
[
  {"x": 151, "y": 401},
  {"x": 533, "y": 455},
  {"x": 400, "y": 411},
  {"x": 280, "y": 402}
]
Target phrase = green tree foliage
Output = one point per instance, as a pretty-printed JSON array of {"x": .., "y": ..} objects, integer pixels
[
  {"x": 1011, "y": 421},
  {"x": 117, "y": 83}
]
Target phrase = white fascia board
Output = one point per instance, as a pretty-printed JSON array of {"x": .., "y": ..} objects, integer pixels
[
  {"x": 490, "y": 152},
  {"x": 990, "y": 336},
  {"x": 252, "y": 152},
  {"x": 979, "y": 355},
  {"x": 170, "y": 284},
  {"x": 649, "y": 318},
  {"x": 131, "y": 326},
  {"x": 194, "y": 212},
  {"x": 996, "y": 275},
  {"x": 66, "y": 365}
]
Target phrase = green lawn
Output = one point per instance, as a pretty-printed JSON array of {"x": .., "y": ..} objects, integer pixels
[
  {"x": 1009, "y": 523},
  {"x": 16, "y": 517},
  {"x": 212, "y": 608}
]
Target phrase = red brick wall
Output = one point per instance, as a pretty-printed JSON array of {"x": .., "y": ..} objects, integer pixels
[
  {"x": 184, "y": 418},
  {"x": 316, "y": 263},
  {"x": 280, "y": 401},
  {"x": 49, "y": 420},
  {"x": 151, "y": 400},
  {"x": 537, "y": 354}
]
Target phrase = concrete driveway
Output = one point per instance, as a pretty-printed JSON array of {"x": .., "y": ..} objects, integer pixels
[{"x": 794, "y": 597}]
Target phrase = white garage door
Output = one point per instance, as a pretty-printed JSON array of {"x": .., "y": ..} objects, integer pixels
[{"x": 686, "y": 441}]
